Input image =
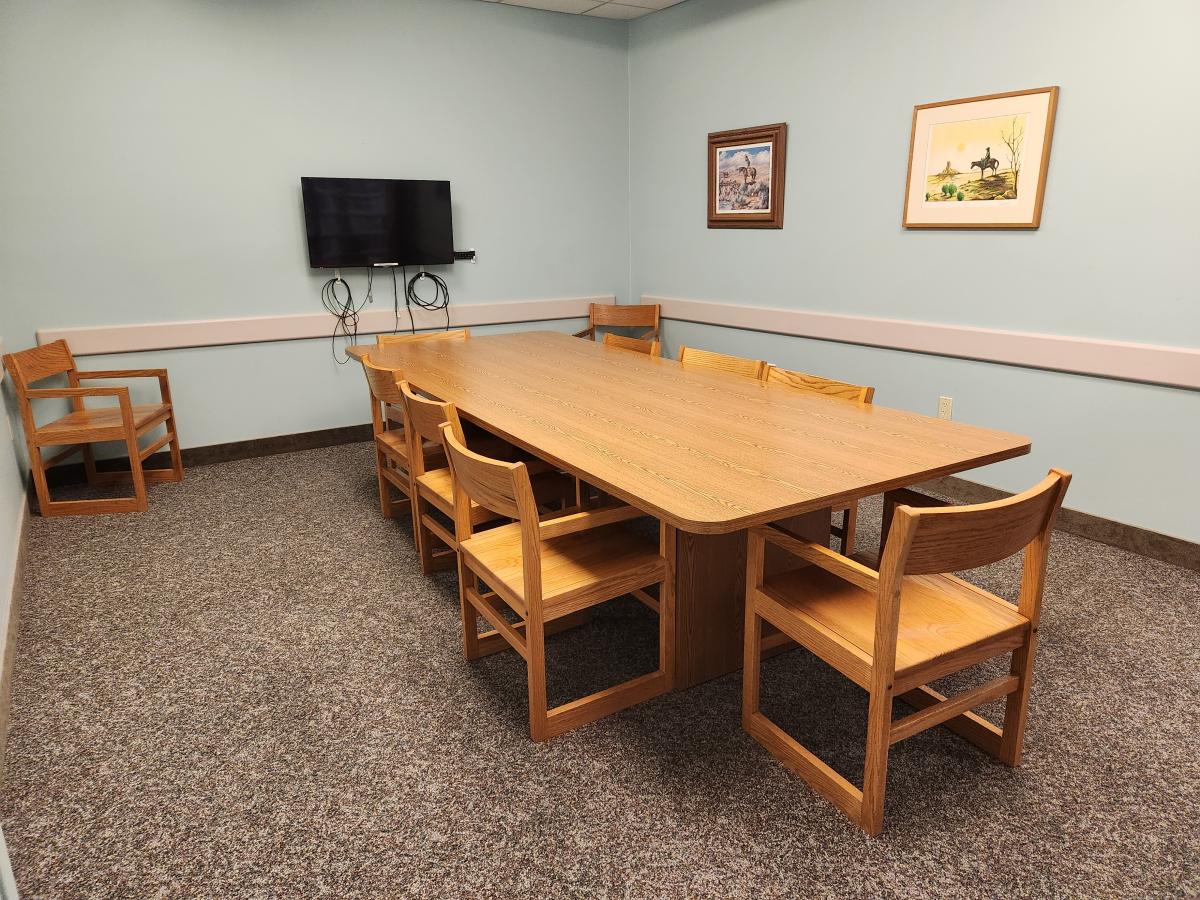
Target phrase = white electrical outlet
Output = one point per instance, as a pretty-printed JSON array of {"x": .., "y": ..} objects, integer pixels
[{"x": 945, "y": 407}]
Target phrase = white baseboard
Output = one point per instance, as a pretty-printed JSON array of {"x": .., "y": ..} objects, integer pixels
[
  {"x": 1152, "y": 363},
  {"x": 87, "y": 341}
]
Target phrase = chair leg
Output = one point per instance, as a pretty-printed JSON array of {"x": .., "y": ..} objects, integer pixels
[
  {"x": 385, "y": 489},
  {"x": 751, "y": 667},
  {"x": 535, "y": 641},
  {"x": 421, "y": 535},
  {"x": 38, "y": 470},
  {"x": 879, "y": 726},
  {"x": 470, "y": 618},
  {"x": 176, "y": 452},
  {"x": 1016, "y": 707},
  {"x": 666, "y": 606},
  {"x": 89, "y": 464},
  {"x": 135, "y": 471},
  {"x": 849, "y": 526}
]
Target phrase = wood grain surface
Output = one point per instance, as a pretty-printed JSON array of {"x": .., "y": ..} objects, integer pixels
[{"x": 705, "y": 451}]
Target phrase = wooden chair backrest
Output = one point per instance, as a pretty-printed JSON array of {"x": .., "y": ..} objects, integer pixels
[
  {"x": 802, "y": 381},
  {"x": 735, "y": 365},
  {"x": 628, "y": 315},
  {"x": 426, "y": 416},
  {"x": 651, "y": 348},
  {"x": 504, "y": 488},
  {"x": 954, "y": 538},
  {"x": 36, "y": 363},
  {"x": 460, "y": 334},
  {"x": 384, "y": 383}
]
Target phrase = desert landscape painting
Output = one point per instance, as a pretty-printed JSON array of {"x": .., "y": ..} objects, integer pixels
[
  {"x": 976, "y": 159},
  {"x": 744, "y": 178}
]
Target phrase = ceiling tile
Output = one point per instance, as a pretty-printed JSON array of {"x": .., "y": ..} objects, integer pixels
[
  {"x": 564, "y": 6},
  {"x": 618, "y": 11}
]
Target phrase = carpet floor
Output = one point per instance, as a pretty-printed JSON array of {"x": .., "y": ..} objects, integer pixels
[{"x": 251, "y": 691}]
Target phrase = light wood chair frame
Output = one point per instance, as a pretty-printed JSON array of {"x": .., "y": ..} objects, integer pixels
[
  {"x": 920, "y": 540},
  {"x": 842, "y": 390},
  {"x": 425, "y": 417},
  {"x": 506, "y": 489},
  {"x": 389, "y": 423},
  {"x": 387, "y": 339},
  {"x": 693, "y": 357},
  {"x": 637, "y": 345},
  {"x": 623, "y": 315},
  {"x": 27, "y": 367}
]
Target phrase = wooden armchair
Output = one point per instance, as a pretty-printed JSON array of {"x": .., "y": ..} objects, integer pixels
[
  {"x": 84, "y": 426},
  {"x": 616, "y": 315},
  {"x": 650, "y": 348},
  {"x": 852, "y": 393},
  {"x": 547, "y": 570},
  {"x": 894, "y": 631},
  {"x": 690, "y": 357}
]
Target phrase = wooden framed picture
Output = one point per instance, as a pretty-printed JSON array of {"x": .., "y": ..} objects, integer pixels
[
  {"x": 980, "y": 162},
  {"x": 745, "y": 177}
]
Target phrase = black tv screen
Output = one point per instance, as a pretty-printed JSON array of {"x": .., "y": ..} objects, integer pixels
[{"x": 364, "y": 221}]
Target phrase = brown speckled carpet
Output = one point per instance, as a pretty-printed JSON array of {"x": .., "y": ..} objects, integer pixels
[{"x": 251, "y": 691}]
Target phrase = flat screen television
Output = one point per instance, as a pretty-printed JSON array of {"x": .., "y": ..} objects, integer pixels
[{"x": 364, "y": 221}]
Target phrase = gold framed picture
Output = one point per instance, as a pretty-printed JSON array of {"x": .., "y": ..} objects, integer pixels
[
  {"x": 980, "y": 162},
  {"x": 745, "y": 177}
]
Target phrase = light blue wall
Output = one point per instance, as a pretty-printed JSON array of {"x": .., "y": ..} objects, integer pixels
[
  {"x": 152, "y": 155},
  {"x": 1114, "y": 257}
]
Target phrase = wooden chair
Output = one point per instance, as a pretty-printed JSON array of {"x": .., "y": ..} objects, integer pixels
[
  {"x": 895, "y": 630},
  {"x": 392, "y": 469},
  {"x": 459, "y": 334},
  {"x": 83, "y": 426},
  {"x": 735, "y": 365},
  {"x": 651, "y": 348},
  {"x": 852, "y": 393},
  {"x": 610, "y": 315},
  {"x": 433, "y": 485},
  {"x": 545, "y": 571}
]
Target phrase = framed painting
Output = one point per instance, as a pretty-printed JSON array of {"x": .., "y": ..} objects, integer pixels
[
  {"x": 980, "y": 162},
  {"x": 745, "y": 177}
]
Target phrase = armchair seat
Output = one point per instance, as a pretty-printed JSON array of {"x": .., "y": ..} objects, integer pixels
[
  {"x": 91, "y": 425},
  {"x": 576, "y": 568},
  {"x": 943, "y": 620}
]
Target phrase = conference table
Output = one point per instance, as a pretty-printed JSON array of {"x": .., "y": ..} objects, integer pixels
[{"x": 707, "y": 453}]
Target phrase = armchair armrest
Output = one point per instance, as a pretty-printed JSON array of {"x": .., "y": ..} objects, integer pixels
[
  {"x": 583, "y": 521},
  {"x": 46, "y": 393},
  {"x": 123, "y": 373},
  {"x": 589, "y": 333},
  {"x": 651, "y": 335},
  {"x": 164, "y": 386},
  {"x": 819, "y": 555}
]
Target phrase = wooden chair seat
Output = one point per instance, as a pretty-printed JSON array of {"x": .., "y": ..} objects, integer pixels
[
  {"x": 576, "y": 568},
  {"x": 395, "y": 444},
  {"x": 101, "y": 424},
  {"x": 437, "y": 486},
  {"x": 943, "y": 621}
]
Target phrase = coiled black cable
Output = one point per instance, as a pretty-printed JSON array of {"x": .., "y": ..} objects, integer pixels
[
  {"x": 440, "y": 300},
  {"x": 346, "y": 312}
]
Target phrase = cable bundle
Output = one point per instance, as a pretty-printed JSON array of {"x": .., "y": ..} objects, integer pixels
[
  {"x": 345, "y": 311},
  {"x": 440, "y": 300}
]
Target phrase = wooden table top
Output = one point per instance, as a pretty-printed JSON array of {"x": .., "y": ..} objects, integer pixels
[{"x": 706, "y": 451}]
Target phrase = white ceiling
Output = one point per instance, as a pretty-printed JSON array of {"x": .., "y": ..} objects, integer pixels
[{"x": 605, "y": 9}]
